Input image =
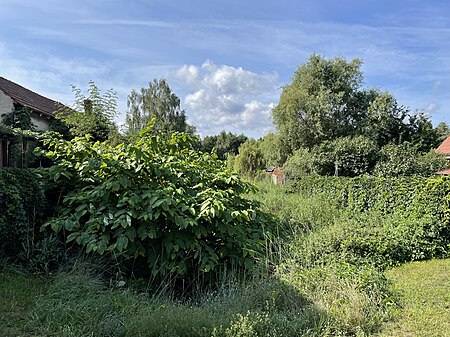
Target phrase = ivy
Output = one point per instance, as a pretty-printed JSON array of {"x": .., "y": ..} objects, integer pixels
[
  {"x": 22, "y": 208},
  {"x": 418, "y": 210}
]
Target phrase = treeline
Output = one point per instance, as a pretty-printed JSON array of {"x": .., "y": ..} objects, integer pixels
[{"x": 328, "y": 124}]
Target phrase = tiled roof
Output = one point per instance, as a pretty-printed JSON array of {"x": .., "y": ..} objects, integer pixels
[
  {"x": 444, "y": 148},
  {"x": 28, "y": 98},
  {"x": 445, "y": 172}
]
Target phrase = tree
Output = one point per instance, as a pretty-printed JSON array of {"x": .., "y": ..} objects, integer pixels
[
  {"x": 345, "y": 156},
  {"x": 158, "y": 102},
  {"x": 93, "y": 114},
  {"x": 223, "y": 144},
  {"x": 300, "y": 163},
  {"x": 273, "y": 149},
  {"x": 250, "y": 159},
  {"x": 405, "y": 160},
  {"x": 326, "y": 101},
  {"x": 320, "y": 103},
  {"x": 442, "y": 131}
]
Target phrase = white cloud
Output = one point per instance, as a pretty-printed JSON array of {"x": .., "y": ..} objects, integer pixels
[{"x": 229, "y": 98}]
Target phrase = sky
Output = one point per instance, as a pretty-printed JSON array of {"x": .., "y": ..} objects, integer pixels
[{"x": 226, "y": 60}]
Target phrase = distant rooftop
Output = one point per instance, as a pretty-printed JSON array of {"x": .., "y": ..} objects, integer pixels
[
  {"x": 28, "y": 98},
  {"x": 445, "y": 172}
]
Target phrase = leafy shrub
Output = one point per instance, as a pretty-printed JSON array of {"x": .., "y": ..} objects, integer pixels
[
  {"x": 405, "y": 160},
  {"x": 300, "y": 163},
  {"x": 158, "y": 199},
  {"x": 346, "y": 156},
  {"x": 22, "y": 209}
]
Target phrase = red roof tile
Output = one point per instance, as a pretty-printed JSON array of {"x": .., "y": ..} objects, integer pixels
[
  {"x": 28, "y": 98},
  {"x": 445, "y": 172},
  {"x": 444, "y": 148}
]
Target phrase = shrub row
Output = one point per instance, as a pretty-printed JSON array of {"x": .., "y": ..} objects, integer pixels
[
  {"x": 386, "y": 195},
  {"x": 22, "y": 209},
  {"x": 389, "y": 220}
]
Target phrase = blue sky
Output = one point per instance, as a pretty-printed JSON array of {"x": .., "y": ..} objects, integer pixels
[{"x": 226, "y": 60}]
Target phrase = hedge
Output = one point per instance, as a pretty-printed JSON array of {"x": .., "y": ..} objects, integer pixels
[
  {"x": 390, "y": 219},
  {"x": 22, "y": 209}
]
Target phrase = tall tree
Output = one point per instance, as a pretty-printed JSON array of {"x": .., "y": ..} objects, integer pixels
[
  {"x": 326, "y": 101},
  {"x": 273, "y": 149},
  {"x": 92, "y": 114},
  {"x": 155, "y": 102},
  {"x": 320, "y": 102}
]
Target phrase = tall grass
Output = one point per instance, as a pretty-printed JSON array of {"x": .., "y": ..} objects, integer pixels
[{"x": 321, "y": 282}]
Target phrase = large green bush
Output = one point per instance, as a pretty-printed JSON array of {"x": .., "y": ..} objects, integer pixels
[
  {"x": 406, "y": 160},
  {"x": 157, "y": 199},
  {"x": 22, "y": 207}
]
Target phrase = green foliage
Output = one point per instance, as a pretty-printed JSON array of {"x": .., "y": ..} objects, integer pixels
[
  {"x": 300, "y": 163},
  {"x": 347, "y": 156},
  {"x": 442, "y": 132},
  {"x": 22, "y": 206},
  {"x": 158, "y": 199},
  {"x": 223, "y": 144},
  {"x": 406, "y": 160},
  {"x": 93, "y": 114},
  {"x": 319, "y": 104},
  {"x": 431, "y": 162},
  {"x": 326, "y": 101},
  {"x": 390, "y": 221},
  {"x": 250, "y": 159},
  {"x": 155, "y": 102},
  {"x": 353, "y": 293},
  {"x": 273, "y": 149},
  {"x": 19, "y": 118}
]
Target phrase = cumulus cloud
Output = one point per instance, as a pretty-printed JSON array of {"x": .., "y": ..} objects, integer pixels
[{"x": 229, "y": 98}]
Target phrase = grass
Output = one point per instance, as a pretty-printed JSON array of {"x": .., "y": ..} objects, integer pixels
[
  {"x": 325, "y": 281},
  {"x": 425, "y": 304},
  {"x": 17, "y": 296},
  {"x": 78, "y": 304}
]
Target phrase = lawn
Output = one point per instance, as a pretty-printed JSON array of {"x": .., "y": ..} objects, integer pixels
[
  {"x": 425, "y": 299},
  {"x": 17, "y": 297}
]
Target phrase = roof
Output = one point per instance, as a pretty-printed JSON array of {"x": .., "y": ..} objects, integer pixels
[
  {"x": 28, "y": 98},
  {"x": 444, "y": 148},
  {"x": 445, "y": 172}
]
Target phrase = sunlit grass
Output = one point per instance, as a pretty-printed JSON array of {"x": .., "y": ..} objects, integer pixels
[{"x": 425, "y": 291}]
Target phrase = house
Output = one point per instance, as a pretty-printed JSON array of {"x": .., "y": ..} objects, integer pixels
[
  {"x": 444, "y": 149},
  {"x": 14, "y": 97},
  {"x": 277, "y": 176}
]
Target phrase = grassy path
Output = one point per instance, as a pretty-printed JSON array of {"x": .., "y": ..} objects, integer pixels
[{"x": 425, "y": 289}]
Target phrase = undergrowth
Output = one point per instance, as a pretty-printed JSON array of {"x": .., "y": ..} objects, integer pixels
[{"x": 325, "y": 268}]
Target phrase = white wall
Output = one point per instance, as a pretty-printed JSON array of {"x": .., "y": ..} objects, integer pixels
[
  {"x": 6, "y": 104},
  {"x": 41, "y": 123}
]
